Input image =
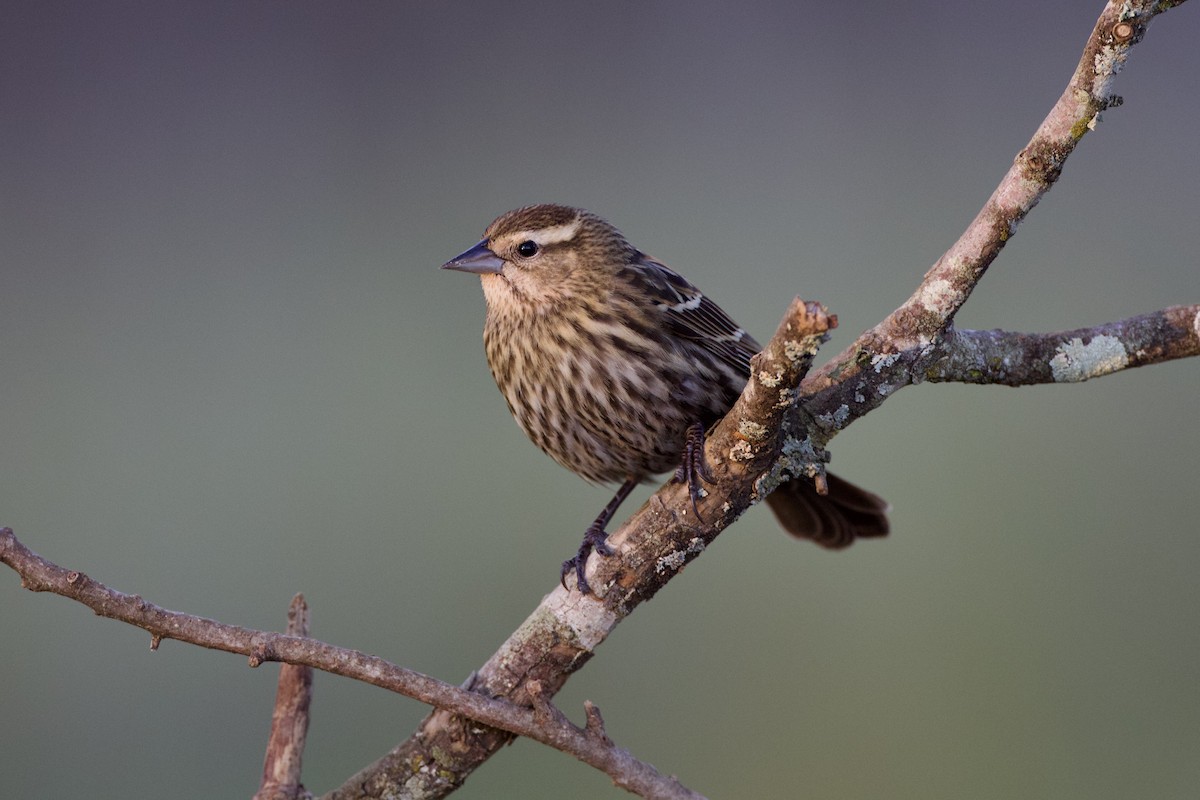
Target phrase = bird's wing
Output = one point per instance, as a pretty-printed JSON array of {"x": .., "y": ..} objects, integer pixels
[{"x": 689, "y": 314}]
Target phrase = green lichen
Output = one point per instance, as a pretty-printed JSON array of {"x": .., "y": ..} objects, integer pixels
[
  {"x": 441, "y": 757},
  {"x": 1081, "y": 127}
]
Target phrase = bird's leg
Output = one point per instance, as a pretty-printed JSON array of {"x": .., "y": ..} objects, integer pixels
[
  {"x": 693, "y": 468},
  {"x": 594, "y": 539}
]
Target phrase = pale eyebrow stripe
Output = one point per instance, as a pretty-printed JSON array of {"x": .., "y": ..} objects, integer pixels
[{"x": 555, "y": 234}]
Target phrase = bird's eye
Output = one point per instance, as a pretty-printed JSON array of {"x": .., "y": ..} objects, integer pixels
[{"x": 527, "y": 249}]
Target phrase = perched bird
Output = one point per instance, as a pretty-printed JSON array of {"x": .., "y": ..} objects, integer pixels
[{"x": 615, "y": 365}]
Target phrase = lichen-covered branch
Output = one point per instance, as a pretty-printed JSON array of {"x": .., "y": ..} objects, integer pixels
[
  {"x": 897, "y": 351},
  {"x": 652, "y": 547},
  {"x": 1023, "y": 359},
  {"x": 281, "y": 772}
]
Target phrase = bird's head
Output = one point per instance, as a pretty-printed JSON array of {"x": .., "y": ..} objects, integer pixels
[{"x": 545, "y": 254}]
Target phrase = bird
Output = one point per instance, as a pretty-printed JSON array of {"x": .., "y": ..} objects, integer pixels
[{"x": 615, "y": 365}]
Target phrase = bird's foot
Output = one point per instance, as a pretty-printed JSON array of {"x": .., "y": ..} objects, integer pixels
[
  {"x": 693, "y": 468},
  {"x": 593, "y": 539}
]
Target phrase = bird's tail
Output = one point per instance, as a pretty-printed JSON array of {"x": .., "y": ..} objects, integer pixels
[{"x": 832, "y": 520}]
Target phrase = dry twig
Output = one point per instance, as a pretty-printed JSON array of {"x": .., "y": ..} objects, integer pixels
[
  {"x": 281, "y": 780},
  {"x": 289, "y": 721}
]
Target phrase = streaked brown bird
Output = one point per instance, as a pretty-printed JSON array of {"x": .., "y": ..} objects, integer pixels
[{"x": 615, "y": 366}]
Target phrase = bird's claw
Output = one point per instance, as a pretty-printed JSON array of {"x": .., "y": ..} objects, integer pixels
[
  {"x": 693, "y": 468},
  {"x": 594, "y": 538}
]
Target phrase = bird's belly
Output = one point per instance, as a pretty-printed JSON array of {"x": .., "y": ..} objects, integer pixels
[{"x": 603, "y": 419}]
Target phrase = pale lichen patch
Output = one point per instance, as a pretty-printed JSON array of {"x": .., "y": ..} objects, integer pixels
[
  {"x": 839, "y": 416},
  {"x": 794, "y": 351},
  {"x": 797, "y": 457},
  {"x": 1077, "y": 361},
  {"x": 752, "y": 430},
  {"x": 881, "y": 361},
  {"x": 674, "y": 560},
  {"x": 741, "y": 451},
  {"x": 589, "y": 622},
  {"x": 769, "y": 380},
  {"x": 938, "y": 296}
]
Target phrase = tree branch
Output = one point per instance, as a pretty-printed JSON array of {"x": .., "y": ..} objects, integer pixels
[
  {"x": 898, "y": 351},
  {"x": 1023, "y": 359},
  {"x": 749, "y": 452},
  {"x": 588, "y": 744}
]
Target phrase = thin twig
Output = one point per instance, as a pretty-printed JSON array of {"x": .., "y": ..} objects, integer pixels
[
  {"x": 289, "y": 721},
  {"x": 39, "y": 575}
]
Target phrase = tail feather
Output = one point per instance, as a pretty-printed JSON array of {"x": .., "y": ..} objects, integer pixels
[{"x": 832, "y": 520}]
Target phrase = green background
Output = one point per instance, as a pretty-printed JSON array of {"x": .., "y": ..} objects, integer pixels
[{"x": 232, "y": 370}]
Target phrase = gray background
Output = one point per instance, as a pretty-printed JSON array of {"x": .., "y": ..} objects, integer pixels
[{"x": 232, "y": 371}]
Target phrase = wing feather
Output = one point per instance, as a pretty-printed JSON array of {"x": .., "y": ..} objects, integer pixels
[{"x": 689, "y": 314}]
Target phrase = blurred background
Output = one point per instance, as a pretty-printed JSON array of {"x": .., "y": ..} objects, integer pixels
[{"x": 233, "y": 371}]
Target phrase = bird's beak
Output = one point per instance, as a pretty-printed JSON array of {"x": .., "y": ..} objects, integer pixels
[{"x": 479, "y": 259}]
